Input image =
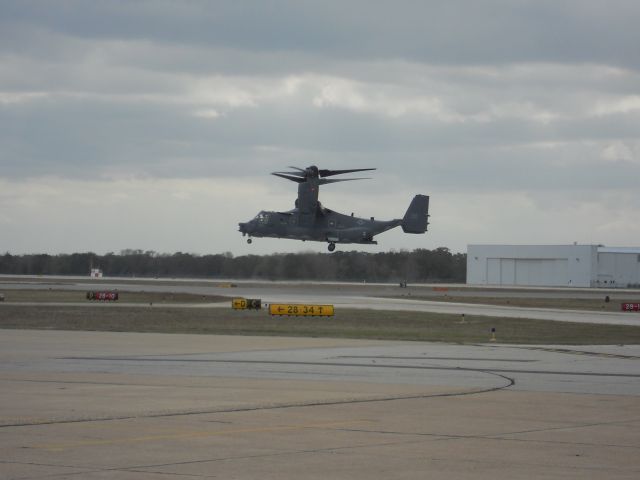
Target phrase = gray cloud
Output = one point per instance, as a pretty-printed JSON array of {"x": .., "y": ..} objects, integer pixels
[
  {"x": 448, "y": 32},
  {"x": 485, "y": 101}
]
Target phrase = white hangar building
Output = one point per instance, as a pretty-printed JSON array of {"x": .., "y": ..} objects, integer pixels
[{"x": 553, "y": 265}]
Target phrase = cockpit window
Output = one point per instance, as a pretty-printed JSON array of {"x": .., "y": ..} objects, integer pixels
[{"x": 262, "y": 217}]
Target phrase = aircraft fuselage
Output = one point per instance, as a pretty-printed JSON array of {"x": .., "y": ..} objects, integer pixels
[{"x": 323, "y": 226}]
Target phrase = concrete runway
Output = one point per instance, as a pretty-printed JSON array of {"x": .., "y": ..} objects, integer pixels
[
  {"x": 100, "y": 405},
  {"x": 96, "y": 405}
]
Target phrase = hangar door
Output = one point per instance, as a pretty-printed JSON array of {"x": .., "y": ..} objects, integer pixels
[
  {"x": 542, "y": 272},
  {"x": 527, "y": 271},
  {"x": 501, "y": 271}
]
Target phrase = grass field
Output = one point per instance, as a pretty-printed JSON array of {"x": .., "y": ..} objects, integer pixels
[
  {"x": 366, "y": 324},
  {"x": 591, "y": 304},
  {"x": 154, "y": 312},
  {"x": 74, "y": 296}
]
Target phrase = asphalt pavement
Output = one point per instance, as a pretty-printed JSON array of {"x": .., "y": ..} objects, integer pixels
[{"x": 97, "y": 405}]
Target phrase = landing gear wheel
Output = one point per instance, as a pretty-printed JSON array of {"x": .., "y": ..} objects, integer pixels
[
  {"x": 249, "y": 241},
  {"x": 332, "y": 247}
]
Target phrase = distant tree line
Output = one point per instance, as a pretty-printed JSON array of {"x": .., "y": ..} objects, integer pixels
[{"x": 419, "y": 265}]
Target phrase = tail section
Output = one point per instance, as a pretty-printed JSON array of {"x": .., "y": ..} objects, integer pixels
[{"x": 417, "y": 217}]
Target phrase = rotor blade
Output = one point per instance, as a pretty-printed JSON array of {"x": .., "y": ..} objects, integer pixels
[
  {"x": 324, "y": 181},
  {"x": 293, "y": 174},
  {"x": 297, "y": 168},
  {"x": 329, "y": 173},
  {"x": 292, "y": 178}
]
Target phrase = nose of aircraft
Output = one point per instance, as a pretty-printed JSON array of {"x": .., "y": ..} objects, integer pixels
[{"x": 245, "y": 227}]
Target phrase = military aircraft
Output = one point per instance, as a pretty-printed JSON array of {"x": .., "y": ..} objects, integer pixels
[{"x": 309, "y": 220}]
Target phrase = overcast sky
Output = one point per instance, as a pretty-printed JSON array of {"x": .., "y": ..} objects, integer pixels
[{"x": 155, "y": 125}]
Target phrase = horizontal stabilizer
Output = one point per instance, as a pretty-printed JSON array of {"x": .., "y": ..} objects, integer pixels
[{"x": 417, "y": 217}]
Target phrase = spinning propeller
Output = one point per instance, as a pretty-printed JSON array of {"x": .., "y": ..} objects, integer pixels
[{"x": 312, "y": 172}]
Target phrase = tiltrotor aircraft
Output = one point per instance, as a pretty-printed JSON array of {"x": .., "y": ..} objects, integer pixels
[{"x": 309, "y": 220}]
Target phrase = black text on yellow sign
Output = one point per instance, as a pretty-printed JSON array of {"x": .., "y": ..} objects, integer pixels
[
  {"x": 246, "y": 303},
  {"x": 301, "y": 310}
]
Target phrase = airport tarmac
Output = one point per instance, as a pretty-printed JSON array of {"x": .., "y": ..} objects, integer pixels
[
  {"x": 96, "y": 405},
  {"x": 352, "y": 295}
]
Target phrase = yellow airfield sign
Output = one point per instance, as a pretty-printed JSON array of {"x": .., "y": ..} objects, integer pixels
[
  {"x": 239, "y": 303},
  {"x": 299, "y": 310}
]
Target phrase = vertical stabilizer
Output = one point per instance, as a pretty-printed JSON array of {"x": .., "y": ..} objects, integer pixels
[{"x": 417, "y": 217}]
